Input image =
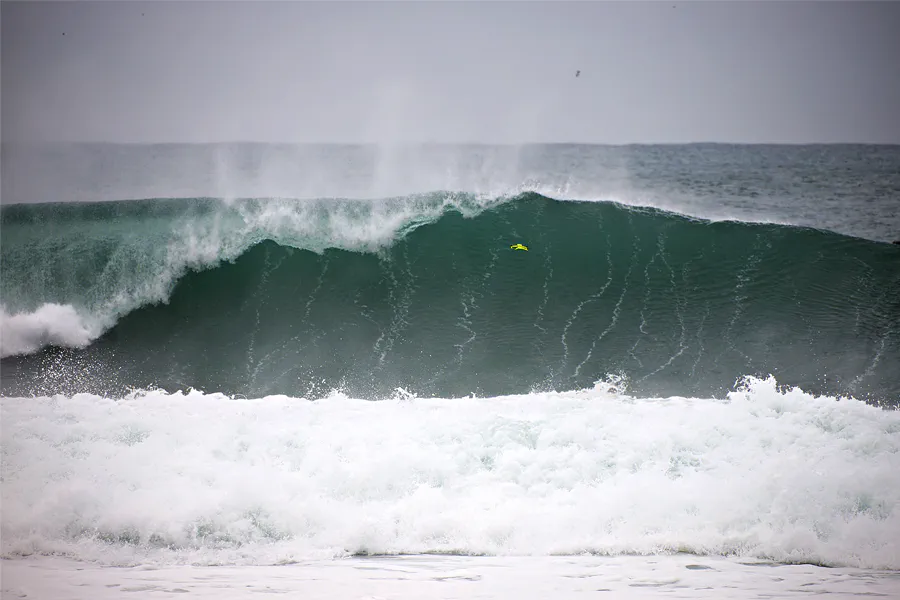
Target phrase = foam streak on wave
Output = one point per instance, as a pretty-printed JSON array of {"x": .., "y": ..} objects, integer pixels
[{"x": 767, "y": 473}]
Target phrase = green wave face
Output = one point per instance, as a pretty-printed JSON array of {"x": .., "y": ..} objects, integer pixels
[{"x": 279, "y": 297}]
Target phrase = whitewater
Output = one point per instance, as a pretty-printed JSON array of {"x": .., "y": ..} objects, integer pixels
[{"x": 321, "y": 371}]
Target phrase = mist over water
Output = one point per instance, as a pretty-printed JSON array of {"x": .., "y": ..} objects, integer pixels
[{"x": 849, "y": 189}]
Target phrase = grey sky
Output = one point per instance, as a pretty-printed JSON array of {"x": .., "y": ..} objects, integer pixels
[{"x": 479, "y": 71}]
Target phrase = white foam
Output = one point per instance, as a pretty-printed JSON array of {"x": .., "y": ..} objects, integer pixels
[
  {"x": 416, "y": 577},
  {"x": 57, "y": 324},
  {"x": 192, "y": 477}
]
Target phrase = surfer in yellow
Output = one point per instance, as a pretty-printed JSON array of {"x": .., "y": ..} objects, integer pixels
[{"x": 519, "y": 247}]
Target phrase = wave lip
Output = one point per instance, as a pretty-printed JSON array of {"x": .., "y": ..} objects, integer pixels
[
  {"x": 766, "y": 473},
  {"x": 51, "y": 324}
]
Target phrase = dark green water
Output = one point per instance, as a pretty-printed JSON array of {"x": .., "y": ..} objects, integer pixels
[{"x": 305, "y": 302}]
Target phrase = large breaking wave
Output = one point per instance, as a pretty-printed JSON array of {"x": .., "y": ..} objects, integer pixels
[{"x": 423, "y": 293}]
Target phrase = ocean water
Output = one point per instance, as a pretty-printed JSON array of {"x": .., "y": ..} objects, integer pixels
[{"x": 254, "y": 354}]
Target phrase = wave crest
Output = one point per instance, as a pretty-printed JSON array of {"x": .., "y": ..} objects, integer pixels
[{"x": 146, "y": 246}]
